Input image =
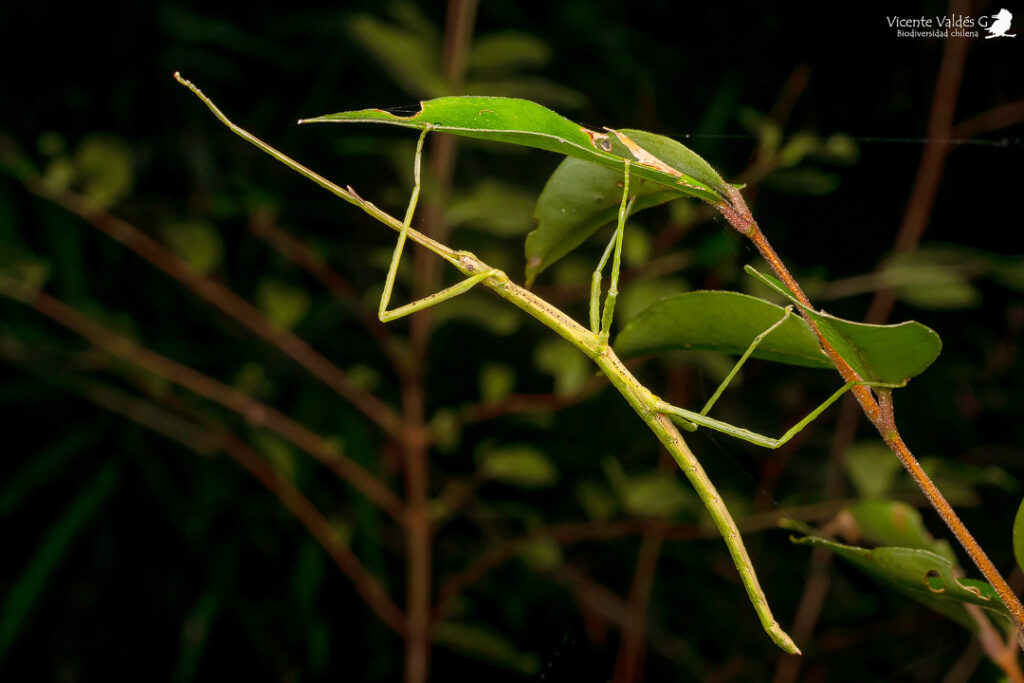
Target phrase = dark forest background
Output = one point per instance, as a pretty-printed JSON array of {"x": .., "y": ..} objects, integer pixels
[{"x": 129, "y": 555}]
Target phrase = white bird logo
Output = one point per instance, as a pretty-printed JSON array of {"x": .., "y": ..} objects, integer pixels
[{"x": 1001, "y": 25}]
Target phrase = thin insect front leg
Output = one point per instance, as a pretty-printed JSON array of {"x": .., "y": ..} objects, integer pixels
[
  {"x": 389, "y": 282},
  {"x": 688, "y": 416},
  {"x": 743, "y": 359},
  {"x": 595, "y": 286},
  {"x": 613, "y": 289}
]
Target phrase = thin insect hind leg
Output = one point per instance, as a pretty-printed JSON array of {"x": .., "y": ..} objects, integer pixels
[
  {"x": 625, "y": 206},
  {"x": 389, "y": 282},
  {"x": 677, "y": 413},
  {"x": 595, "y": 286}
]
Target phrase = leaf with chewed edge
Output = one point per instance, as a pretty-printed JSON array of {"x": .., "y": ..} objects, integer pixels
[
  {"x": 526, "y": 123},
  {"x": 919, "y": 574}
]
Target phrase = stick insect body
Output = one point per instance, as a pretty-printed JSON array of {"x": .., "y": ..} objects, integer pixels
[{"x": 601, "y": 320}]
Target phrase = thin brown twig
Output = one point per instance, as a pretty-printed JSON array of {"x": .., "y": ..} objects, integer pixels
[
  {"x": 214, "y": 293},
  {"x": 933, "y": 160},
  {"x": 909, "y": 235},
  {"x": 575, "y": 532},
  {"x": 629, "y": 665},
  {"x": 878, "y": 412},
  {"x": 303, "y": 509},
  {"x": 206, "y": 440},
  {"x": 253, "y": 411},
  {"x": 263, "y": 226},
  {"x": 515, "y": 404},
  {"x": 994, "y": 119},
  {"x": 415, "y": 439}
]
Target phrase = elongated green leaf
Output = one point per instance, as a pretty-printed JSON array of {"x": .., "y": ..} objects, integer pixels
[
  {"x": 919, "y": 574},
  {"x": 879, "y": 353},
  {"x": 479, "y": 642},
  {"x": 720, "y": 321},
  {"x": 579, "y": 198},
  {"x": 872, "y": 469},
  {"x": 894, "y": 523},
  {"x": 518, "y": 464},
  {"x": 527, "y": 123},
  {"x": 1018, "y": 536}
]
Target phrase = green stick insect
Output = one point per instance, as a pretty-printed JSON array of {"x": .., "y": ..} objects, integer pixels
[
  {"x": 529, "y": 124},
  {"x": 601, "y": 319}
]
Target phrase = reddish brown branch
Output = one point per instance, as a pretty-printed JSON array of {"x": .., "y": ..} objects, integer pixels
[
  {"x": 933, "y": 161},
  {"x": 216, "y": 294},
  {"x": 253, "y": 411},
  {"x": 515, "y": 404},
  {"x": 415, "y": 436},
  {"x": 304, "y": 510},
  {"x": 205, "y": 440},
  {"x": 629, "y": 666},
  {"x": 262, "y": 225},
  {"x": 994, "y": 119},
  {"x": 566, "y": 534},
  {"x": 915, "y": 220}
]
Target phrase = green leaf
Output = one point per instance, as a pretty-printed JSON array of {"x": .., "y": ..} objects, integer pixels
[
  {"x": 595, "y": 500},
  {"x": 519, "y": 464},
  {"x": 480, "y": 643},
  {"x": 879, "y": 353},
  {"x": 569, "y": 367},
  {"x": 872, "y": 468},
  {"x": 720, "y": 321},
  {"x": 919, "y": 574},
  {"x": 526, "y": 123},
  {"x": 278, "y": 452},
  {"x": 642, "y": 294},
  {"x": 22, "y": 272},
  {"x": 1018, "y": 536},
  {"x": 476, "y": 308},
  {"x": 283, "y": 304},
  {"x": 528, "y": 88},
  {"x": 935, "y": 277},
  {"x": 497, "y": 207},
  {"x": 542, "y": 554},
  {"x": 197, "y": 243},
  {"x": 577, "y": 200},
  {"x": 105, "y": 169},
  {"x": 657, "y": 494},
  {"x": 409, "y": 56},
  {"x": 508, "y": 50},
  {"x": 497, "y": 381},
  {"x": 893, "y": 523}
]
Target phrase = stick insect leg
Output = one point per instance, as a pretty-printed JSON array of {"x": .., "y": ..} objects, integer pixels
[
  {"x": 389, "y": 282},
  {"x": 613, "y": 289},
  {"x": 743, "y": 359},
  {"x": 759, "y": 439},
  {"x": 595, "y": 286}
]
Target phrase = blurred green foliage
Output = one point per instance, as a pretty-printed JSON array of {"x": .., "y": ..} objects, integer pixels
[{"x": 128, "y": 552}]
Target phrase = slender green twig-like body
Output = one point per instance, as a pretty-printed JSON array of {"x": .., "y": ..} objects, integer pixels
[{"x": 648, "y": 406}]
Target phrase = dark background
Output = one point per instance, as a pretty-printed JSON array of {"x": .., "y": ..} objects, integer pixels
[{"x": 187, "y": 568}]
